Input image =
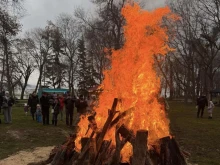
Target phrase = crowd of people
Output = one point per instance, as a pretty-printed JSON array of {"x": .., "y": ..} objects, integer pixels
[{"x": 41, "y": 108}]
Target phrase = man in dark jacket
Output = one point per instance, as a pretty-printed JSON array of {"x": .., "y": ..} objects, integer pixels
[
  {"x": 69, "y": 104},
  {"x": 32, "y": 103},
  {"x": 45, "y": 106},
  {"x": 201, "y": 103},
  {"x": 81, "y": 105}
]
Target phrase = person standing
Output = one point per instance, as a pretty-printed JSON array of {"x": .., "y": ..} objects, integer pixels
[
  {"x": 26, "y": 109},
  {"x": 32, "y": 103},
  {"x": 39, "y": 114},
  {"x": 69, "y": 104},
  {"x": 45, "y": 106},
  {"x": 8, "y": 101},
  {"x": 29, "y": 98},
  {"x": 201, "y": 103},
  {"x": 61, "y": 101},
  {"x": 210, "y": 109},
  {"x": 56, "y": 109}
]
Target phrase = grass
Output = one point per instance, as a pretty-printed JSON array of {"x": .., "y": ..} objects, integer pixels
[
  {"x": 24, "y": 133},
  {"x": 199, "y": 136}
]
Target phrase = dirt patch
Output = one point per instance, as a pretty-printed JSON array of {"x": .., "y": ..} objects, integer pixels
[
  {"x": 15, "y": 134},
  {"x": 25, "y": 157}
]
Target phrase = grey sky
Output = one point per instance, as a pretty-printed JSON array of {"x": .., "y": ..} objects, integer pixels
[
  {"x": 151, "y": 4},
  {"x": 39, "y": 11}
]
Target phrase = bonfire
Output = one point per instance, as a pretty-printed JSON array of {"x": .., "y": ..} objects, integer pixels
[{"x": 130, "y": 125}]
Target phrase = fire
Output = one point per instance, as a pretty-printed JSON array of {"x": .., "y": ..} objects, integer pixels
[{"x": 132, "y": 77}]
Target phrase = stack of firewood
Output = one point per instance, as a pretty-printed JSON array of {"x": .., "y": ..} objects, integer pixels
[{"x": 97, "y": 151}]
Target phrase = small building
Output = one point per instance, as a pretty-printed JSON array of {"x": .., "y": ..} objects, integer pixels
[{"x": 51, "y": 91}]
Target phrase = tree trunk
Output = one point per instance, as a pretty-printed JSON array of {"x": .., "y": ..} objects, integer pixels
[
  {"x": 193, "y": 83},
  {"x": 25, "y": 84},
  {"x": 198, "y": 82},
  {"x": 39, "y": 78},
  {"x": 22, "y": 93},
  {"x": 205, "y": 89},
  {"x": 3, "y": 72},
  {"x": 171, "y": 81},
  {"x": 72, "y": 81},
  {"x": 69, "y": 77},
  {"x": 8, "y": 76},
  {"x": 13, "y": 92}
]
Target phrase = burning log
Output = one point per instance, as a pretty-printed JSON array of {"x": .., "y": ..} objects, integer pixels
[
  {"x": 120, "y": 116},
  {"x": 170, "y": 153},
  {"x": 97, "y": 151},
  {"x": 84, "y": 151},
  {"x": 140, "y": 151},
  {"x": 101, "y": 156},
  {"x": 62, "y": 154},
  {"x": 120, "y": 143},
  {"x": 111, "y": 115},
  {"x": 65, "y": 152},
  {"x": 100, "y": 136},
  {"x": 92, "y": 151}
]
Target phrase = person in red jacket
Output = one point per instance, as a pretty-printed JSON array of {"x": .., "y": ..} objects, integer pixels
[{"x": 61, "y": 100}]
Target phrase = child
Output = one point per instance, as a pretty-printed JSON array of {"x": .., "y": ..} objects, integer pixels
[
  {"x": 26, "y": 109},
  {"x": 39, "y": 114},
  {"x": 210, "y": 109}
]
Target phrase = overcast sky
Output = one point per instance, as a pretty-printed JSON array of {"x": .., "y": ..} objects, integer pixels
[{"x": 39, "y": 11}]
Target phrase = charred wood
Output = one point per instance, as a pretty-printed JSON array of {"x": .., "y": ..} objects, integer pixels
[
  {"x": 140, "y": 151},
  {"x": 170, "y": 153},
  {"x": 102, "y": 154},
  {"x": 111, "y": 115}
]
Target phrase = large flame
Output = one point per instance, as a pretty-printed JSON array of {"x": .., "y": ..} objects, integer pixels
[{"x": 132, "y": 77}]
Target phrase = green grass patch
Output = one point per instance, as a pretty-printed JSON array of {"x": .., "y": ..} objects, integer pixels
[
  {"x": 24, "y": 133},
  {"x": 199, "y": 136}
]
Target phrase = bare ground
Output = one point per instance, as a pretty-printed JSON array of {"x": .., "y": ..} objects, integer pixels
[{"x": 25, "y": 157}]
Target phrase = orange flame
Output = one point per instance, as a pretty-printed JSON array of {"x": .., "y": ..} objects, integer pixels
[{"x": 132, "y": 77}]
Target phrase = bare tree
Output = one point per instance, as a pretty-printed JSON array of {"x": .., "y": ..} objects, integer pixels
[
  {"x": 69, "y": 29},
  {"x": 9, "y": 28},
  {"x": 25, "y": 63},
  {"x": 105, "y": 31},
  {"x": 196, "y": 60},
  {"x": 40, "y": 45}
]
